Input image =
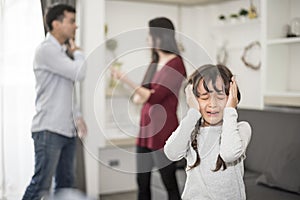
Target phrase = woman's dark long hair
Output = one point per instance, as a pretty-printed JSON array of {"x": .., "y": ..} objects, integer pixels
[
  {"x": 162, "y": 32},
  {"x": 209, "y": 73}
]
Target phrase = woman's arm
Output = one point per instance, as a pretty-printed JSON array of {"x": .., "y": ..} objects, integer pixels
[
  {"x": 169, "y": 83},
  {"x": 141, "y": 94}
]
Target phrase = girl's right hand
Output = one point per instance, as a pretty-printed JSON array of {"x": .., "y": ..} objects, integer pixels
[{"x": 191, "y": 98}]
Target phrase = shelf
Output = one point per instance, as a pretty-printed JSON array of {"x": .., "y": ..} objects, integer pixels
[
  {"x": 283, "y": 41},
  {"x": 120, "y": 142},
  {"x": 238, "y": 24},
  {"x": 283, "y": 99}
]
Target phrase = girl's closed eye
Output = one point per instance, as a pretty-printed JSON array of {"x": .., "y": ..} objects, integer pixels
[
  {"x": 204, "y": 97},
  {"x": 221, "y": 96}
]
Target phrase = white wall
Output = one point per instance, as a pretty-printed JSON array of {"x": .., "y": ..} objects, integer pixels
[
  {"x": 200, "y": 24},
  {"x": 123, "y": 17},
  {"x": 136, "y": 15},
  {"x": 211, "y": 36},
  {"x": 91, "y": 29},
  {"x": 238, "y": 37}
]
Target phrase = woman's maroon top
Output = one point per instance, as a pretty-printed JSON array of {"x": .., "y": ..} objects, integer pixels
[{"x": 158, "y": 115}]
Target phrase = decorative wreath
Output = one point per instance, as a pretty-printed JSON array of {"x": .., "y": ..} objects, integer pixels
[{"x": 252, "y": 45}]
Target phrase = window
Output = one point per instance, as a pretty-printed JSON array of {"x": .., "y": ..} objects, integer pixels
[{"x": 21, "y": 32}]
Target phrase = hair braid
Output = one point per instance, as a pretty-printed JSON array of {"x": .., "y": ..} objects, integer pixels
[
  {"x": 194, "y": 143},
  {"x": 220, "y": 163}
]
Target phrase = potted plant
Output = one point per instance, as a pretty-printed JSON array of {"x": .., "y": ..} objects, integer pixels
[
  {"x": 222, "y": 19},
  {"x": 252, "y": 11},
  {"x": 243, "y": 14},
  {"x": 233, "y": 18}
]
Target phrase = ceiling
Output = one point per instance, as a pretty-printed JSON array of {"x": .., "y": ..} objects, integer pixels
[{"x": 181, "y": 2}]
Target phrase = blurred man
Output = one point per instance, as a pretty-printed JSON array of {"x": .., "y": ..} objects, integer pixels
[{"x": 56, "y": 122}]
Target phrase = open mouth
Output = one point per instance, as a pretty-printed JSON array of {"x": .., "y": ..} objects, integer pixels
[{"x": 212, "y": 113}]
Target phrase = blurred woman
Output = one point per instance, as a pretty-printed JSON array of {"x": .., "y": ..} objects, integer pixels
[{"x": 159, "y": 95}]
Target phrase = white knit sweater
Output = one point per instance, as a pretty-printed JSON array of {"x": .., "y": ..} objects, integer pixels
[{"x": 229, "y": 140}]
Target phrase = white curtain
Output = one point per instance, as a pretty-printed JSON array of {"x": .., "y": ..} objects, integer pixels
[{"x": 21, "y": 31}]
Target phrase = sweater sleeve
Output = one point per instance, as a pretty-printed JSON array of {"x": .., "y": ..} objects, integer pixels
[
  {"x": 235, "y": 136},
  {"x": 169, "y": 82},
  {"x": 178, "y": 143},
  {"x": 57, "y": 62}
]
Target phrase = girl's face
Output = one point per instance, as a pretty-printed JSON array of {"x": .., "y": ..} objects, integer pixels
[{"x": 212, "y": 103}]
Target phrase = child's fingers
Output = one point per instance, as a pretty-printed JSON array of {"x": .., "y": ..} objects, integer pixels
[
  {"x": 188, "y": 88},
  {"x": 190, "y": 97},
  {"x": 231, "y": 89},
  {"x": 233, "y": 86},
  {"x": 234, "y": 91}
]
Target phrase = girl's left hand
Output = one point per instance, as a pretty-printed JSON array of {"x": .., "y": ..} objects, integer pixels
[{"x": 232, "y": 97}]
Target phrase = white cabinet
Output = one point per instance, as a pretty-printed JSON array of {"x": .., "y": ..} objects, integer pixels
[
  {"x": 117, "y": 168},
  {"x": 281, "y": 55}
]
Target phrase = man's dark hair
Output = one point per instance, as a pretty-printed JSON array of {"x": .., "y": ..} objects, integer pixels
[{"x": 56, "y": 12}]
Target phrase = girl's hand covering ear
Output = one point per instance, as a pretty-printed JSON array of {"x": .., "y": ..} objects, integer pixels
[
  {"x": 232, "y": 97},
  {"x": 190, "y": 97}
]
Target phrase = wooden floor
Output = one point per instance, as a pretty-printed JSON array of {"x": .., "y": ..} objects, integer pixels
[{"x": 120, "y": 196}]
